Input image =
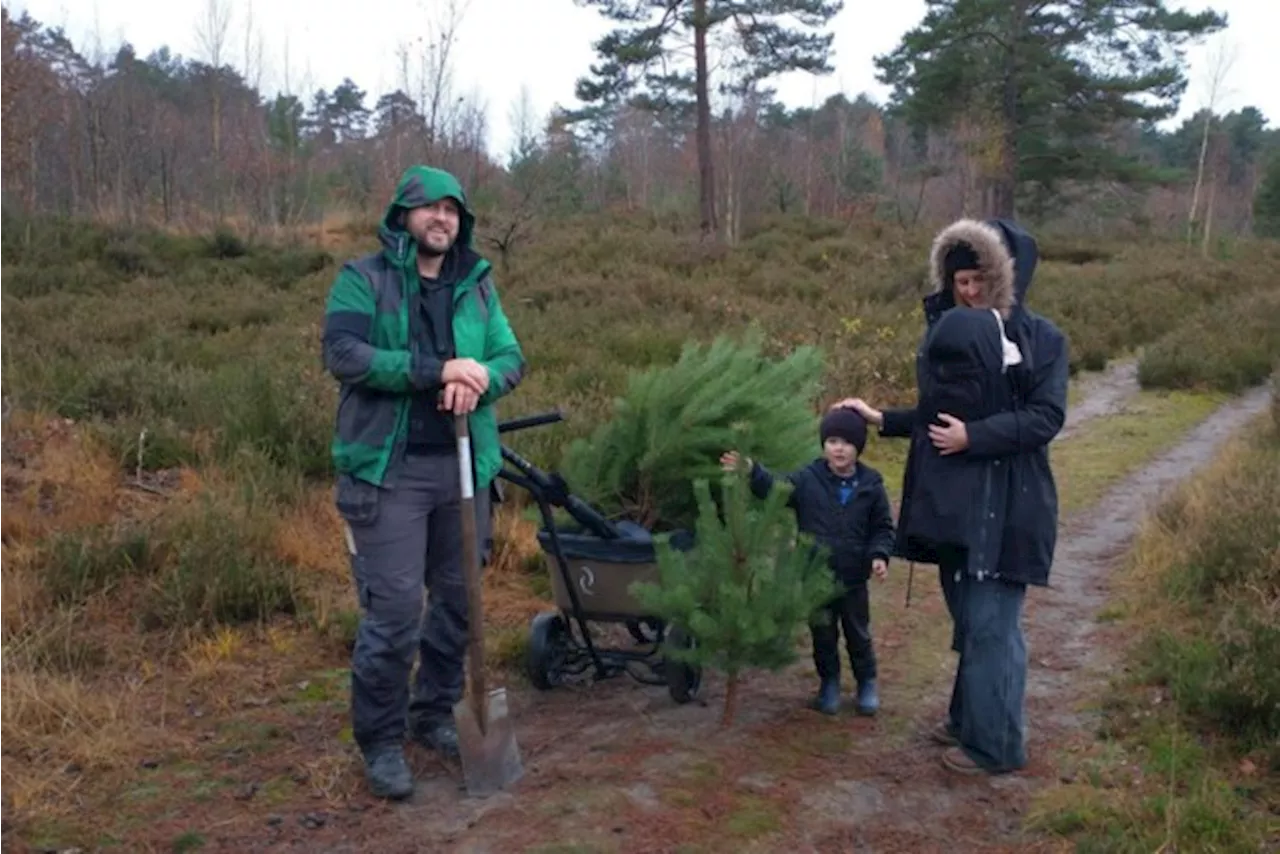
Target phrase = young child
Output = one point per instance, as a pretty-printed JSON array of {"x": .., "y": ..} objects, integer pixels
[{"x": 844, "y": 505}]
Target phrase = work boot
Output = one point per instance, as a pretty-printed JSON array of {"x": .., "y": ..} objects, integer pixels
[
  {"x": 387, "y": 772},
  {"x": 828, "y": 699},
  {"x": 868, "y": 698},
  {"x": 440, "y": 735}
]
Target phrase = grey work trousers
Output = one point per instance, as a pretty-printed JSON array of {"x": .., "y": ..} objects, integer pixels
[{"x": 413, "y": 542}]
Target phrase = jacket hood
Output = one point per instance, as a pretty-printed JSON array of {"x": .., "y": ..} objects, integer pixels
[
  {"x": 1007, "y": 256},
  {"x": 966, "y": 337},
  {"x": 418, "y": 186}
]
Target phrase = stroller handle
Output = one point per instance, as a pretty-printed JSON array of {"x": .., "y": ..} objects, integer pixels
[
  {"x": 527, "y": 421},
  {"x": 552, "y": 489}
]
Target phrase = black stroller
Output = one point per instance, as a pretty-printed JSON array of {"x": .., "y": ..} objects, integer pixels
[{"x": 592, "y": 566}]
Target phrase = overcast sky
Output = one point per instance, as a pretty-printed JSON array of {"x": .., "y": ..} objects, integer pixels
[{"x": 546, "y": 45}]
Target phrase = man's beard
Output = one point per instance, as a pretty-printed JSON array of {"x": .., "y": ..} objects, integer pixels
[{"x": 427, "y": 250}]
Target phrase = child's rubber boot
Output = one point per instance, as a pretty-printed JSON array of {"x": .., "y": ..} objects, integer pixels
[
  {"x": 828, "y": 699},
  {"x": 868, "y": 698}
]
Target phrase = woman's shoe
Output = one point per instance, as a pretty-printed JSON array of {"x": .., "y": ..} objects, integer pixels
[
  {"x": 941, "y": 734},
  {"x": 955, "y": 759}
]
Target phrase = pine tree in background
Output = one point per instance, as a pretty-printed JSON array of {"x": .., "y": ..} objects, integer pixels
[
  {"x": 675, "y": 421},
  {"x": 1266, "y": 204},
  {"x": 751, "y": 583},
  {"x": 640, "y": 60},
  {"x": 1043, "y": 86}
]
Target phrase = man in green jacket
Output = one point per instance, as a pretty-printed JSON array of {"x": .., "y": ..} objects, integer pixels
[{"x": 415, "y": 333}]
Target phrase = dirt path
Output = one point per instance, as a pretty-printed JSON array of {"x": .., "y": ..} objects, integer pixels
[
  {"x": 1064, "y": 627},
  {"x": 617, "y": 766},
  {"x": 1102, "y": 394}
]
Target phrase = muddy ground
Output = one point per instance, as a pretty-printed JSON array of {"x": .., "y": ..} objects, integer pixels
[{"x": 618, "y": 766}]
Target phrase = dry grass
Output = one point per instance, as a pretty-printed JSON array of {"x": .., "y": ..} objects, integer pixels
[
  {"x": 1189, "y": 757},
  {"x": 57, "y": 479},
  {"x": 123, "y": 641},
  {"x": 86, "y": 697}
]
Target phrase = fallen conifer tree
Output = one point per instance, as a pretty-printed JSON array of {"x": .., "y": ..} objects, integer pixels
[{"x": 675, "y": 421}]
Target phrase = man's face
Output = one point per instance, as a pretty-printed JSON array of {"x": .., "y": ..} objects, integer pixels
[
  {"x": 970, "y": 288},
  {"x": 435, "y": 226}
]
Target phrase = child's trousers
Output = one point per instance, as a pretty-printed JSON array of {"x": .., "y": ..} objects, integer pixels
[{"x": 850, "y": 613}]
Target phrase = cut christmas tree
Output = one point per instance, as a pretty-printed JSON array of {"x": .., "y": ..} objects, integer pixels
[
  {"x": 674, "y": 422},
  {"x": 748, "y": 587}
]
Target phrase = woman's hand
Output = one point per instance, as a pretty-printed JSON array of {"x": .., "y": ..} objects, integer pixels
[
  {"x": 951, "y": 439},
  {"x": 860, "y": 406},
  {"x": 730, "y": 460}
]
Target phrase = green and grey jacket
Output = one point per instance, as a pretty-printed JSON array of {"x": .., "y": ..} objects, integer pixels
[{"x": 368, "y": 348}]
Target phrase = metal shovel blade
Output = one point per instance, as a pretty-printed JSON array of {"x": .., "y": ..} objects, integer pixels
[
  {"x": 486, "y": 738},
  {"x": 490, "y": 755}
]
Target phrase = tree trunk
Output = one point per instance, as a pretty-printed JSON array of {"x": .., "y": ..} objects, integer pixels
[
  {"x": 732, "y": 182},
  {"x": 706, "y": 173},
  {"x": 1195, "y": 190},
  {"x": 808, "y": 167},
  {"x": 73, "y": 159},
  {"x": 165, "y": 179},
  {"x": 730, "y": 700},
  {"x": 1208, "y": 216},
  {"x": 217, "y": 149},
  {"x": 1004, "y": 188},
  {"x": 34, "y": 177},
  {"x": 95, "y": 156}
]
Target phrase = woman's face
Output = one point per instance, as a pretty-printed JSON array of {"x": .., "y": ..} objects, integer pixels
[{"x": 970, "y": 288}]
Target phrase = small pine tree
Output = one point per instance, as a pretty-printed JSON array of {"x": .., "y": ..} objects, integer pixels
[
  {"x": 749, "y": 585},
  {"x": 676, "y": 420}
]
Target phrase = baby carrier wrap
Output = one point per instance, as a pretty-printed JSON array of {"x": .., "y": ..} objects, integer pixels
[{"x": 964, "y": 376}]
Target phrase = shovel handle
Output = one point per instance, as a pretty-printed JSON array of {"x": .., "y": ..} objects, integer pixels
[{"x": 471, "y": 570}]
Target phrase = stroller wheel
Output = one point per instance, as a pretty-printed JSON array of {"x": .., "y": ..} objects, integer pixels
[
  {"x": 683, "y": 680},
  {"x": 548, "y": 645},
  {"x": 638, "y": 633}
]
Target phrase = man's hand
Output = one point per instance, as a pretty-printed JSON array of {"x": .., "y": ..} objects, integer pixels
[
  {"x": 468, "y": 372},
  {"x": 951, "y": 439},
  {"x": 880, "y": 568},
  {"x": 860, "y": 406},
  {"x": 458, "y": 398}
]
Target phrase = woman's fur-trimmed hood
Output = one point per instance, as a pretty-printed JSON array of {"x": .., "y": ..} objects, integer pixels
[{"x": 995, "y": 259}]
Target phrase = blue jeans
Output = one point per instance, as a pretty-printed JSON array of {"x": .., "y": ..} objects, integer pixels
[{"x": 986, "y": 713}]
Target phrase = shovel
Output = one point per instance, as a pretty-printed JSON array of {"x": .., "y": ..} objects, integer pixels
[{"x": 486, "y": 738}]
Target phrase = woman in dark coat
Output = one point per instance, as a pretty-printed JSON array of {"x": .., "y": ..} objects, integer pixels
[{"x": 979, "y": 497}]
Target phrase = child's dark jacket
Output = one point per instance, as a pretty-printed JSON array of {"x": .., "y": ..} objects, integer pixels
[{"x": 849, "y": 515}]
